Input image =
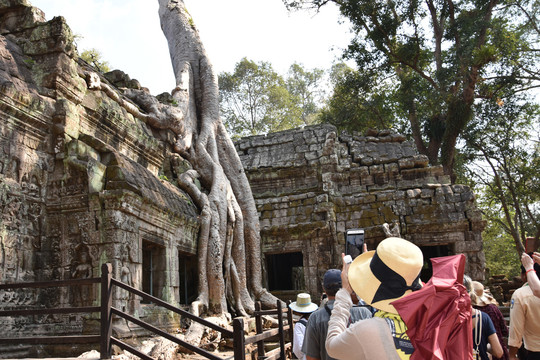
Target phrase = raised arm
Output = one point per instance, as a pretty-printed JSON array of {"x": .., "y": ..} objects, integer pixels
[{"x": 532, "y": 277}]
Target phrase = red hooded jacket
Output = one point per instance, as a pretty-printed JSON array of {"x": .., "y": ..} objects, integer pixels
[{"x": 438, "y": 316}]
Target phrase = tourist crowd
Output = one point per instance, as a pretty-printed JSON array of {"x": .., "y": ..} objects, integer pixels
[{"x": 377, "y": 307}]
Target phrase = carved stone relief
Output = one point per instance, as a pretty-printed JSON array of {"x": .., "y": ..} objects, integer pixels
[{"x": 82, "y": 268}]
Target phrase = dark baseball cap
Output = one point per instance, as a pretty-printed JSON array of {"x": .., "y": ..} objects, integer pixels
[{"x": 332, "y": 279}]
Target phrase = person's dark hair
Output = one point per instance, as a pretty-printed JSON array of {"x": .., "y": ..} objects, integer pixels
[
  {"x": 536, "y": 267},
  {"x": 332, "y": 291}
]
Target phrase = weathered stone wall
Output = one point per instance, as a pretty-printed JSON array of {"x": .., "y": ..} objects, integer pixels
[
  {"x": 311, "y": 185},
  {"x": 80, "y": 180}
]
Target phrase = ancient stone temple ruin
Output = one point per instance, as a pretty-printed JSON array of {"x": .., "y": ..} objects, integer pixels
[
  {"x": 84, "y": 180},
  {"x": 312, "y": 185},
  {"x": 82, "y": 183}
]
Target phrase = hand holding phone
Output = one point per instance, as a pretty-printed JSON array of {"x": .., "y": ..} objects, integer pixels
[
  {"x": 344, "y": 273},
  {"x": 354, "y": 242}
]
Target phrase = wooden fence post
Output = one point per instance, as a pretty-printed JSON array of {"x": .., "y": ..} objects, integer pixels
[
  {"x": 106, "y": 315},
  {"x": 259, "y": 328},
  {"x": 290, "y": 322},
  {"x": 239, "y": 339},
  {"x": 281, "y": 330}
]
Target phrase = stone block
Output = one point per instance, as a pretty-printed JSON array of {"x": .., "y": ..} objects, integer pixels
[
  {"x": 312, "y": 156},
  {"x": 421, "y": 161},
  {"x": 406, "y": 163},
  {"x": 367, "y": 180},
  {"x": 426, "y": 210},
  {"x": 415, "y": 173},
  {"x": 474, "y": 215},
  {"x": 427, "y": 193},
  {"x": 454, "y": 198},
  {"x": 381, "y": 187},
  {"x": 385, "y": 196},
  {"x": 414, "y": 193},
  {"x": 467, "y": 196},
  {"x": 401, "y": 209},
  {"x": 467, "y": 246},
  {"x": 459, "y": 189},
  {"x": 399, "y": 194}
]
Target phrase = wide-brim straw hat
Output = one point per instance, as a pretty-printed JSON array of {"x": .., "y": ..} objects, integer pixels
[
  {"x": 390, "y": 272},
  {"x": 482, "y": 298},
  {"x": 303, "y": 304}
]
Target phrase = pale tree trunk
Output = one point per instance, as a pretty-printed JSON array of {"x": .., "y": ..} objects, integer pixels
[{"x": 229, "y": 242}]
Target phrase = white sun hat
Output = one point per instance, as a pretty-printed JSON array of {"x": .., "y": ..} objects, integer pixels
[{"x": 303, "y": 304}]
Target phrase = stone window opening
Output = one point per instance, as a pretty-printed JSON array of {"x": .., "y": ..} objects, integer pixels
[
  {"x": 285, "y": 271},
  {"x": 187, "y": 276},
  {"x": 153, "y": 269}
]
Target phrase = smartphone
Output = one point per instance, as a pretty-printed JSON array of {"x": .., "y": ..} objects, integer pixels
[{"x": 354, "y": 242}]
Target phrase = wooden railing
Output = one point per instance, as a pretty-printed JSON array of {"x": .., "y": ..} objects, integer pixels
[
  {"x": 68, "y": 339},
  {"x": 280, "y": 352},
  {"x": 106, "y": 340}
]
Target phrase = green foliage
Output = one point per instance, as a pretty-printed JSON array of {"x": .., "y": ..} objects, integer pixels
[
  {"x": 353, "y": 107},
  {"x": 506, "y": 166},
  {"x": 94, "y": 58},
  {"x": 303, "y": 86},
  {"x": 254, "y": 99},
  {"x": 430, "y": 63},
  {"x": 459, "y": 73},
  {"x": 29, "y": 62},
  {"x": 499, "y": 249}
]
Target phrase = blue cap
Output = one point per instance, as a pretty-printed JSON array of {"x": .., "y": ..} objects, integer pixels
[{"x": 332, "y": 279}]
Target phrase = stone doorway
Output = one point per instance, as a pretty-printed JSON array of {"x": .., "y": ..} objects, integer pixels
[
  {"x": 187, "y": 275},
  {"x": 432, "y": 252},
  {"x": 285, "y": 271}
]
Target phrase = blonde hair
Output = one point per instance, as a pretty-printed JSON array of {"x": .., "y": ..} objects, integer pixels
[{"x": 474, "y": 297}]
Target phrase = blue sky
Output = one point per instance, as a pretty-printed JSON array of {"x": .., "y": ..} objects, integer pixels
[{"x": 128, "y": 34}]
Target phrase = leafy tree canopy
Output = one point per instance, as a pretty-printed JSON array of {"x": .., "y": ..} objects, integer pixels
[
  {"x": 304, "y": 86},
  {"x": 439, "y": 59},
  {"x": 94, "y": 58},
  {"x": 353, "y": 106},
  {"x": 255, "y": 99},
  {"x": 501, "y": 259},
  {"x": 505, "y": 170}
]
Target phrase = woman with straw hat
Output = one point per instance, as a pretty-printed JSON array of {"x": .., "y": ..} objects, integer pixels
[
  {"x": 304, "y": 307},
  {"x": 487, "y": 305},
  {"x": 379, "y": 278}
]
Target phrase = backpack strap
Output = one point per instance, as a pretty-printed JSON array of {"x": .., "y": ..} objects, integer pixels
[
  {"x": 303, "y": 322},
  {"x": 477, "y": 332},
  {"x": 328, "y": 310}
]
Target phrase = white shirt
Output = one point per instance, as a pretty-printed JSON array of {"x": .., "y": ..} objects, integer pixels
[
  {"x": 299, "y": 331},
  {"x": 367, "y": 339}
]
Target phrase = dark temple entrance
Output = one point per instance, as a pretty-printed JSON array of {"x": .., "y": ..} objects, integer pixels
[
  {"x": 187, "y": 274},
  {"x": 285, "y": 271},
  {"x": 431, "y": 252}
]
